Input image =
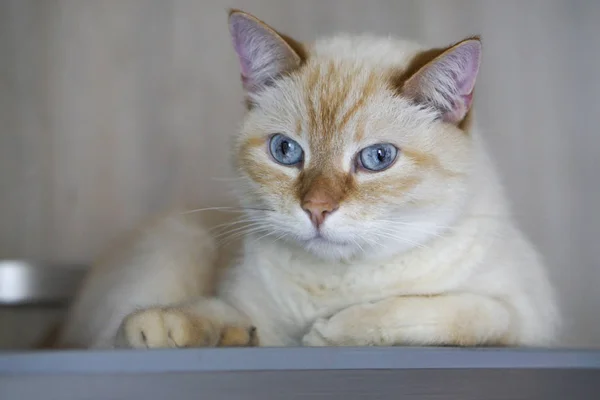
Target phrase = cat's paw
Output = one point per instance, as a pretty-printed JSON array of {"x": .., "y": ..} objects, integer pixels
[
  {"x": 316, "y": 336},
  {"x": 235, "y": 336},
  {"x": 338, "y": 330},
  {"x": 167, "y": 327},
  {"x": 174, "y": 327}
]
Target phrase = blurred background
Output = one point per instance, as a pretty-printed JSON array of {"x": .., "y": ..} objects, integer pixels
[{"x": 112, "y": 110}]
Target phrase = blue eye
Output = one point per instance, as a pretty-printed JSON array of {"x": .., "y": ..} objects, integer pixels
[
  {"x": 378, "y": 157},
  {"x": 285, "y": 150}
]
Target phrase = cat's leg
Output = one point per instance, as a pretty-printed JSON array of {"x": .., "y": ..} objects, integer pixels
[
  {"x": 170, "y": 261},
  {"x": 207, "y": 322},
  {"x": 445, "y": 320}
]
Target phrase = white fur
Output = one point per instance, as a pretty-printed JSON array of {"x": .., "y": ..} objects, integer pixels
[
  {"x": 284, "y": 290},
  {"x": 462, "y": 273},
  {"x": 170, "y": 261}
]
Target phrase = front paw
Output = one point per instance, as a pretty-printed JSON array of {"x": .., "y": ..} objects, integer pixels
[
  {"x": 317, "y": 335},
  {"x": 174, "y": 328},
  {"x": 342, "y": 329}
]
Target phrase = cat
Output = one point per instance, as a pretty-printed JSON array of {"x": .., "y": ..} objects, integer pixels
[{"x": 377, "y": 217}]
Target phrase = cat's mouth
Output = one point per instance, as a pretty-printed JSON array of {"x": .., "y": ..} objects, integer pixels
[{"x": 318, "y": 238}]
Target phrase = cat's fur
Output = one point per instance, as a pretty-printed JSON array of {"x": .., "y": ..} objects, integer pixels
[{"x": 423, "y": 253}]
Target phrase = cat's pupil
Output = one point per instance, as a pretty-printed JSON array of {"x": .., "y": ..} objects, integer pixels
[
  {"x": 285, "y": 150},
  {"x": 381, "y": 155}
]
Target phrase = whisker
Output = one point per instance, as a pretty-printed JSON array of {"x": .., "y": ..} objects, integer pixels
[
  {"x": 229, "y": 239},
  {"x": 359, "y": 246},
  {"x": 280, "y": 237},
  {"x": 263, "y": 236},
  {"x": 241, "y": 228},
  {"x": 373, "y": 242},
  {"x": 227, "y": 209},
  {"x": 409, "y": 224},
  {"x": 431, "y": 232},
  {"x": 466, "y": 217},
  {"x": 403, "y": 239},
  {"x": 228, "y": 224},
  {"x": 439, "y": 231},
  {"x": 233, "y": 209}
]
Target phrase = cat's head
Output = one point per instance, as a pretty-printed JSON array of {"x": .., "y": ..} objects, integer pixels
[{"x": 357, "y": 146}]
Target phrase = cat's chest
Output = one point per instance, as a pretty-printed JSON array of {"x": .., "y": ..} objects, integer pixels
[
  {"x": 294, "y": 291},
  {"x": 285, "y": 292}
]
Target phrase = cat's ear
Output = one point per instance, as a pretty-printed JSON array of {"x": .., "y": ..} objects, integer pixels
[
  {"x": 263, "y": 53},
  {"x": 447, "y": 82}
]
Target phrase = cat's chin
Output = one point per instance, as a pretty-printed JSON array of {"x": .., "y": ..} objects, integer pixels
[{"x": 332, "y": 250}]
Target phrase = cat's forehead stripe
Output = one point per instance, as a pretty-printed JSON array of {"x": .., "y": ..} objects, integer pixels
[{"x": 334, "y": 94}]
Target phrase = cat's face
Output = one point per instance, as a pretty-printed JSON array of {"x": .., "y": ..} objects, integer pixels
[{"x": 340, "y": 149}]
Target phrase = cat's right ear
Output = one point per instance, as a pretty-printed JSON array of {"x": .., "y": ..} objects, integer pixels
[{"x": 263, "y": 53}]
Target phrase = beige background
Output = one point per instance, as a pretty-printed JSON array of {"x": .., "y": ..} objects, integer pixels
[{"x": 111, "y": 110}]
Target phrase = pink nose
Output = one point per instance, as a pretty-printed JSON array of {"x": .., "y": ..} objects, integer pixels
[{"x": 318, "y": 207}]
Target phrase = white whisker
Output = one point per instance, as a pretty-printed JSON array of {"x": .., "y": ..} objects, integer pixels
[
  {"x": 402, "y": 239},
  {"x": 228, "y": 224},
  {"x": 250, "y": 225},
  {"x": 263, "y": 236},
  {"x": 280, "y": 237},
  {"x": 226, "y": 209},
  {"x": 358, "y": 244},
  {"x": 373, "y": 242},
  {"x": 247, "y": 232}
]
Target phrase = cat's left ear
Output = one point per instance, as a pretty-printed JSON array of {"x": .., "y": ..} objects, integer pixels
[
  {"x": 264, "y": 54},
  {"x": 447, "y": 82}
]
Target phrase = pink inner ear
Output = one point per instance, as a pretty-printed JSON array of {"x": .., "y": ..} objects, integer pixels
[
  {"x": 448, "y": 82},
  {"x": 467, "y": 56},
  {"x": 241, "y": 29},
  {"x": 463, "y": 65},
  {"x": 262, "y": 53}
]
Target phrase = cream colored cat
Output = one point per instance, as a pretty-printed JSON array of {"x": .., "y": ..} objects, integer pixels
[{"x": 377, "y": 216}]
